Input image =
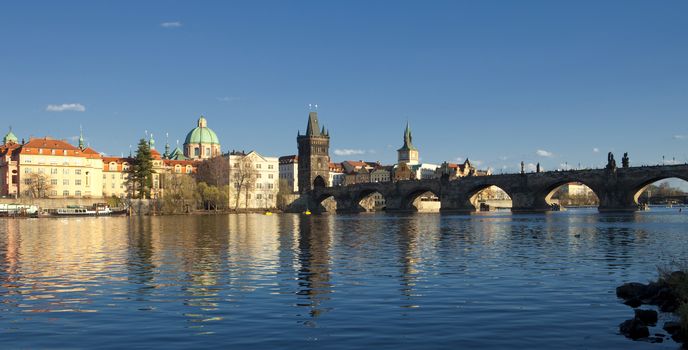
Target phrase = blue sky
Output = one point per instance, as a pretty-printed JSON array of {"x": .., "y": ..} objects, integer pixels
[{"x": 497, "y": 81}]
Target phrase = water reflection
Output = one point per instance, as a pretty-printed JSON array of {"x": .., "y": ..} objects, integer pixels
[{"x": 332, "y": 280}]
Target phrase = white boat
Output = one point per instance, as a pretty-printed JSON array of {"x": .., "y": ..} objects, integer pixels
[
  {"x": 96, "y": 210},
  {"x": 18, "y": 209}
]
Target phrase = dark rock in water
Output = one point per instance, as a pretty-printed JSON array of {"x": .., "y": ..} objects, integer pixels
[
  {"x": 648, "y": 317},
  {"x": 666, "y": 299},
  {"x": 672, "y": 327},
  {"x": 633, "y": 302},
  {"x": 632, "y": 290},
  {"x": 634, "y": 329}
]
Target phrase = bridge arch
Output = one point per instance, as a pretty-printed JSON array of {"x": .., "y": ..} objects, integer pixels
[
  {"x": 642, "y": 188},
  {"x": 319, "y": 182},
  {"x": 325, "y": 202},
  {"x": 424, "y": 199},
  {"x": 481, "y": 196},
  {"x": 370, "y": 199},
  {"x": 577, "y": 193}
]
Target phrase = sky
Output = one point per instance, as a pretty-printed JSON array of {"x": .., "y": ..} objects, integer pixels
[{"x": 559, "y": 83}]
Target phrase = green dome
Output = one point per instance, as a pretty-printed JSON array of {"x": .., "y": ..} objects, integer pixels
[
  {"x": 201, "y": 134},
  {"x": 9, "y": 137}
]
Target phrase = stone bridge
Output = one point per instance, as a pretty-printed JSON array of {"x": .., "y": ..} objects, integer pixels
[{"x": 617, "y": 190}]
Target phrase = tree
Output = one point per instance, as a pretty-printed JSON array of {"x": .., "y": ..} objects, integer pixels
[
  {"x": 213, "y": 197},
  {"x": 39, "y": 185},
  {"x": 141, "y": 172},
  {"x": 213, "y": 171},
  {"x": 181, "y": 194},
  {"x": 243, "y": 177}
]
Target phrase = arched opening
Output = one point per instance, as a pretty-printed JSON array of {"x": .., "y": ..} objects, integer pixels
[
  {"x": 424, "y": 201},
  {"x": 319, "y": 182},
  {"x": 326, "y": 204},
  {"x": 372, "y": 201},
  {"x": 572, "y": 195},
  {"x": 667, "y": 192},
  {"x": 491, "y": 198}
]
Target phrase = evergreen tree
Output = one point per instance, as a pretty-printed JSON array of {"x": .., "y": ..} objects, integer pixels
[{"x": 141, "y": 172}]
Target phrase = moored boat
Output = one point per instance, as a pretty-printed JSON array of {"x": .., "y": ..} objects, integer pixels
[{"x": 97, "y": 209}]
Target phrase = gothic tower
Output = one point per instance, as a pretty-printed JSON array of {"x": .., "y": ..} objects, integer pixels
[
  {"x": 314, "y": 155},
  {"x": 407, "y": 153}
]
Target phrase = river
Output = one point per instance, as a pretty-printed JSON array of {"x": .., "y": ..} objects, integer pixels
[{"x": 430, "y": 281}]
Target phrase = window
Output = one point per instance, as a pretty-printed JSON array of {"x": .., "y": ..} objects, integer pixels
[
  {"x": 269, "y": 176},
  {"x": 259, "y": 175},
  {"x": 65, "y": 193},
  {"x": 53, "y": 171},
  {"x": 259, "y": 185},
  {"x": 41, "y": 170},
  {"x": 271, "y": 185},
  {"x": 113, "y": 176},
  {"x": 40, "y": 151},
  {"x": 236, "y": 165},
  {"x": 27, "y": 181},
  {"x": 104, "y": 176},
  {"x": 270, "y": 166},
  {"x": 113, "y": 185},
  {"x": 259, "y": 196},
  {"x": 65, "y": 182},
  {"x": 65, "y": 171},
  {"x": 248, "y": 196},
  {"x": 27, "y": 160},
  {"x": 197, "y": 152},
  {"x": 77, "y": 193},
  {"x": 77, "y": 171},
  {"x": 53, "y": 193},
  {"x": 52, "y": 151},
  {"x": 258, "y": 166},
  {"x": 27, "y": 171},
  {"x": 270, "y": 196},
  {"x": 77, "y": 182},
  {"x": 53, "y": 182}
]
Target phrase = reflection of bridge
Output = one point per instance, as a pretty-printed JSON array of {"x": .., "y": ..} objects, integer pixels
[{"x": 617, "y": 190}]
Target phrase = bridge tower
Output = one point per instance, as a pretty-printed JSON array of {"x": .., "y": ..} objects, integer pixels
[{"x": 314, "y": 155}]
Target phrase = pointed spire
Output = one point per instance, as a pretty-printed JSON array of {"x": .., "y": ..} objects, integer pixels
[
  {"x": 81, "y": 138},
  {"x": 151, "y": 142},
  {"x": 408, "y": 139},
  {"x": 166, "y": 155},
  {"x": 312, "y": 127}
]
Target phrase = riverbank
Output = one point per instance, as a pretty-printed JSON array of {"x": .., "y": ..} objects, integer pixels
[{"x": 669, "y": 294}]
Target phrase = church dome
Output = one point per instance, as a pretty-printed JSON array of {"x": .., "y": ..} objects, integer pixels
[
  {"x": 201, "y": 134},
  {"x": 10, "y": 137}
]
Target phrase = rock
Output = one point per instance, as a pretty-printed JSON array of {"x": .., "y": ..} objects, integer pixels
[
  {"x": 632, "y": 290},
  {"x": 633, "y": 302},
  {"x": 672, "y": 327},
  {"x": 666, "y": 299},
  {"x": 634, "y": 329},
  {"x": 648, "y": 317}
]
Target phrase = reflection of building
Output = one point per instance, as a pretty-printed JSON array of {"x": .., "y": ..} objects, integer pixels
[
  {"x": 201, "y": 142},
  {"x": 254, "y": 181},
  {"x": 314, "y": 156}
]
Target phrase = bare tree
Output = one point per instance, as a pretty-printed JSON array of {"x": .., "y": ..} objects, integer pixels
[
  {"x": 181, "y": 195},
  {"x": 39, "y": 185},
  {"x": 243, "y": 178},
  {"x": 213, "y": 171}
]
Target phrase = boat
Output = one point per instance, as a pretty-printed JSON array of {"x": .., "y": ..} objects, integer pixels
[
  {"x": 18, "y": 209},
  {"x": 268, "y": 213},
  {"x": 307, "y": 212},
  {"x": 98, "y": 209}
]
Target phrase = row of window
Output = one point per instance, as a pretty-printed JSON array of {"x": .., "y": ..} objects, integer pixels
[
  {"x": 258, "y": 166},
  {"x": 53, "y": 161},
  {"x": 260, "y": 196},
  {"x": 259, "y": 185},
  {"x": 65, "y": 193},
  {"x": 53, "y": 171}
]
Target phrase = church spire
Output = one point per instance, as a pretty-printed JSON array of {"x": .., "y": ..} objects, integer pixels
[
  {"x": 312, "y": 128},
  {"x": 81, "y": 138},
  {"x": 151, "y": 142},
  {"x": 408, "y": 139},
  {"x": 167, "y": 146}
]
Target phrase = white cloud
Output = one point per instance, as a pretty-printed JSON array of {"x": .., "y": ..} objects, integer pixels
[
  {"x": 596, "y": 150},
  {"x": 175, "y": 24},
  {"x": 75, "y": 107},
  {"x": 229, "y": 99},
  {"x": 679, "y": 137},
  {"x": 348, "y": 152},
  {"x": 543, "y": 153}
]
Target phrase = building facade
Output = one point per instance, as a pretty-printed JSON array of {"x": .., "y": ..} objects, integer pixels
[
  {"x": 254, "y": 181},
  {"x": 289, "y": 173},
  {"x": 314, "y": 155}
]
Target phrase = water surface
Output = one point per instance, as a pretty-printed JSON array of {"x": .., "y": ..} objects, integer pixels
[{"x": 492, "y": 281}]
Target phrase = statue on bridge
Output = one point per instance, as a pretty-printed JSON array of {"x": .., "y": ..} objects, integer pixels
[
  {"x": 611, "y": 163},
  {"x": 537, "y": 168},
  {"x": 624, "y": 160},
  {"x": 523, "y": 168}
]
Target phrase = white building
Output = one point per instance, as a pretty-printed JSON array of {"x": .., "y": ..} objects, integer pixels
[
  {"x": 289, "y": 172},
  {"x": 424, "y": 170},
  {"x": 254, "y": 181}
]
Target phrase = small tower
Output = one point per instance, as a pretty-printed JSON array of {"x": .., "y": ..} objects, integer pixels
[
  {"x": 82, "y": 146},
  {"x": 166, "y": 155},
  {"x": 151, "y": 142},
  {"x": 407, "y": 153},
  {"x": 314, "y": 155}
]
